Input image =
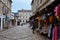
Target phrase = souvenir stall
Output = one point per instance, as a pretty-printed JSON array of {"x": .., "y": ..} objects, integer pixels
[
  {"x": 43, "y": 24},
  {"x": 56, "y": 30},
  {"x": 35, "y": 21},
  {"x": 38, "y": 21},
  {"x": 50, "y": 23},
  {"x": 47, "y": 24},
  {"x": 54, "y": 23}
]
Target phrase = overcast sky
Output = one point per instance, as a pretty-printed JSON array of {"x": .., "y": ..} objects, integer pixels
[{"x": 21, "y": 4}]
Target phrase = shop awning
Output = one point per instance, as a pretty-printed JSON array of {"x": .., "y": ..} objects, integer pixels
[{"x": 10, "y": 17}]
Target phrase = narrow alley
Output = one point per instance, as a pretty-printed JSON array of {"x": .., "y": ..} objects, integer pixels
[
  {"x": 20, "y": 33},
  {"x": 29, "y": 19}
]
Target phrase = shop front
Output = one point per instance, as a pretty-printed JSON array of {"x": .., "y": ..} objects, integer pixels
[
  {"x": 51, "y": 20},
  {"x": 12, "y": 22},
  {"x": 48, "y": 20}
]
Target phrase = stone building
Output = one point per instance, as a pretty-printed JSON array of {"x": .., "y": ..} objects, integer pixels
[
  {"x": 5, "y": 11},
  {"x": 24, "y": 15}
]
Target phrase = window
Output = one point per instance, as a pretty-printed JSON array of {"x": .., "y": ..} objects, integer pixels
[
  {"x": 23, "y": 17},
  {"x": 3, "y": 10},
  {"x": 23, "y": 20},
  {"x": 40, "y": 1},
  {"x": 20, "y": 17},
  {"x": 26, "y": 16},
  {"x": 20, "y": 20},
  {"x": 26, "y": 20}
]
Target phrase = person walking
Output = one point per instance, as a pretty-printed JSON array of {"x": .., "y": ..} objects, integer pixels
[{"x": 33, "y": 25}]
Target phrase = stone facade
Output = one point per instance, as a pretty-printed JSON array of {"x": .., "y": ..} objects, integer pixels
[
  {"x": 40, "y": 4},
  {"x": 5, "y": 10},
  {"x": 5, "y": 6},
  {"x": 24, "y": 15}
]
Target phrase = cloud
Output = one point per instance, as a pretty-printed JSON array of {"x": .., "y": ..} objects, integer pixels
[{"x": 19, "y": 4}]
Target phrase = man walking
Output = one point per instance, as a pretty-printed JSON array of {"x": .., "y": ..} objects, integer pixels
[{"x": 33, "y": 25}]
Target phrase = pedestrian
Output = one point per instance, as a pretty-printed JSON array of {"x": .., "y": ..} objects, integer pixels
[
  {"x": 30, "y": 23},
  {"x": 33, "y": 25}
]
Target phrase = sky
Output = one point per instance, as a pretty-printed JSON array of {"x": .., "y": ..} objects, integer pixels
[{"x": 21, "y": 4}]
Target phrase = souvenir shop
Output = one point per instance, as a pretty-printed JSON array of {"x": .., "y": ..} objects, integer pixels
[
  {"x": 35, "y": 20},
  {"x": 48, "y": 21}
]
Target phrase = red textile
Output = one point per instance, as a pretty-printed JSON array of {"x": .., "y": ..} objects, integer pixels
[{"x": 55, "y": 36}]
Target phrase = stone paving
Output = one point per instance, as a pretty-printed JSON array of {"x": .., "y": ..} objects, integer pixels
[{"x": 20, "y": 33}]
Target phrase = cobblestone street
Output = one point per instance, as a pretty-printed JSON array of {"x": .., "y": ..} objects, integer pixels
[{"x": 20, "y": 33}]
